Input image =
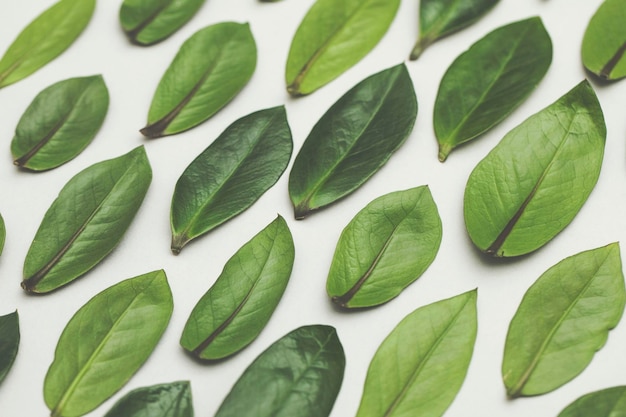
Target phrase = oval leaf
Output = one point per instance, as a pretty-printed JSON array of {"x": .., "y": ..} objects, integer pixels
[
  {"x": 297, "y": 376},
  {"x": 439, "y": 18},
  {"x": 9, "y": 342},
  {"x": 353, "y": 140},
  {"x": 387, "y": 246},
  {"x": 421, "y": 365},
  {"x": 209, "y": 70},
  {"x": 333, "y": 36},
  {"x": 610, "y": 402},
  {"x": 163, "y": 400},
  {"x": 563, "y": 319},
  {"x": 60, "y": 123},
  {"x": 604, "y": 42},
  {"x": 532, "y": 184},
  {"x": 240, "y": 303},
  {"x": 484, "y": 84},
  {"x": 3, "y": 233},
  {"x": 147, "y": 22},
  {"x": 45, "y": 38},
  {"x": 86, "y": 221},
  {"x": 106, "y": 342}
]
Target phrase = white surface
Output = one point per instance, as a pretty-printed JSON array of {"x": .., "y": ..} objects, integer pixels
[{"x": 132, "y": 74}]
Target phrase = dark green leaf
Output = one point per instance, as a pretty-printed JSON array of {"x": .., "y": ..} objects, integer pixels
[
  {"x": 163, "y": 400},
  {"x": 60, "y": 123},
  {"x": 244, "y": 162},
  {"x": 9, "y": 342},
  {"x": 484, "y": 84},
  {"x": 3, "y": 233},
  {"x": 604, "y": 42},
  {"x": 610, "y": 402},
  {"x": 564, "y": 318},
  {"x": 106, "y": 342},
  {"x": 387, "y": 246},
  {"x": 298, "y": 376},
  {"x": 532, "y": 184},
  {"x": 208, "y": 71},
  {"x": 353, "y": 140},
  {"x": 86, "y": 221}
]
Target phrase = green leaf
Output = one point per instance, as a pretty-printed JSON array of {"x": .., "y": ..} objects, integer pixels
[
  {"x": 333, "y": 36},
  {"x": 563, "y": 319},
  {"x": 484, "y": 84},
  {"x": 240, "y": 303},
  {"x": 9, "y": 342},
  {"x": 211, "y": 67},
  {"x": 163, "y": 400},
  {"x": 610, "y": 402},
  {"x": 439, "y": 18},
  {"x": 604, "y": 42},
  {"x": 60, "y": 123},
  {"x": 353, "y": 140},
  {"x": 297, "y": 376},
  {"x": 532, "y": 184},
  {"x": 106, "y": 342},
  {"x": 147, "y": 22},
  {"x": 421, "y": 365},
  {"x": 86, "y": 221},
  {"x": 3, "y": 233},
  {"x": 387, "y": 246},
  {"x": 45, "y": 38}
]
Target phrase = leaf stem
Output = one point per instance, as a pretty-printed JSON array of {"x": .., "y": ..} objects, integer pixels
[
  {"x": 444, "y": 151},
  {"x": 419, "y": 47}
]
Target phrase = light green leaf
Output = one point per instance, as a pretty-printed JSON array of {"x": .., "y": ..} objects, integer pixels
[
  {"x": 45, "y": 38},
  {"x": 147, "y": 22},
  {"x": 86, "y": 221},
  {"x": 333, "y": 36},
  {"x": 163, "y": 400},
  {"x": 421, "y": 365},
  {"x": 3, "y": 233},
  {"x": 353, "y": 140},
  {"x": 298, "y": 376},
  {"x": 387, "y": 246},
  {"x": 231, "y": 174},
  {"x": 532, "y": 184},
  {"x": 106, "y": 342},
  {"x": 604, "y": 42},
  {"x": 485, "y": 83},
  {"x": 610, "y": 402},
  {"x": 211, "y": 67},
  {"x": 60, "y": 123},
  {"x": 564, "y": 318},
  {"x": 9, "y": 342}
]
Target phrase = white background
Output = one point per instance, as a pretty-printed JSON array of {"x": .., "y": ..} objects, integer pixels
[{"x": 132, "y": 74}]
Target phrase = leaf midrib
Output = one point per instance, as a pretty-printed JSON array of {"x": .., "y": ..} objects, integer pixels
[{"x": 134, "y": 32}]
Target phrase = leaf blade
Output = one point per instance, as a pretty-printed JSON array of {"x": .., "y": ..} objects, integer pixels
[
  {"x": 604, "y": 41},
  {"x": 609, "y": 402},
  {"x": 163, "y": 400},
  {"x": 3, "y": 234},
  {"x": 9, "y": 342}
]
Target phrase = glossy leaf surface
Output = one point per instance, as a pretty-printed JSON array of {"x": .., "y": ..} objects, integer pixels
[
  {"x": 610, "y": 402},
  {"x": 45, "y": 38},
  {"x": 86, "y": 221},
  {"x": 485, "y": 83},
  {"x": 333, "y": 36},
  {"x": 564, "y": 318},
  {"x": 231, "y": 174},
  {"x": 163, "y": 400},
  {"x": 421, "y": 365},
  {"x": 604, "y": 43},
  {"x": 533, "y": 183},
  {"x": 297, "y": 376},
  {"x": 211, "y": 67},
  {"x": 3, "y": 233},
  {"x": 146, "y": 22},
  {"x": 60, "y": 122},
  {"x": 9, "y": 342},
  {"x": 353, "y": 140},
  {"x": 387, "y": 246},
  {"x": 106, "y": 342}
]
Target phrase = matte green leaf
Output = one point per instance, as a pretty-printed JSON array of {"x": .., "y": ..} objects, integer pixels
[
  {"x": 485, "y": 83},
  {"x": 163, "y": 400},
  {"x": 211, "y": 67},
  {"x": 231, "y": 174},
  {"x": 610, "y": 402},
  {"x": 86, "y": 221},
  {"x": 421, "y": 365},
  {"x": 147, "y": 22},
  {"x": 353, "y": 140},
  {"x": 3, "y": 234},
  {"x": 60, "y": 123},
  {"x": 532, "y": 184},
  {"x": 45, "y": 38},
  {"x": 604, "y": 42},
  {"x": 439, "y": 18},
  {"x": 333, "y": 36},
  {"x": 9, "y": 342},
  {"x": 387, "y": 246},
  {"x": 297, "y": 376},
  {"x": 563, "y": 319}
]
